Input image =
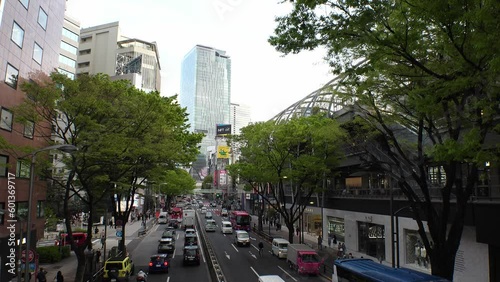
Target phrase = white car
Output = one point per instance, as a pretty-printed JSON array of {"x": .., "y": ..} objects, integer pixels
[
  {"x": 204, "y": 210},
  {"x": 242, "y": 238},
  {"x": 226, "y": 227},
  {"x": 208, "y": 215},
  {"x": 223, "y": 212},
  {"x": 190, "y": 231},
  {"x": 210, "y": 226}
]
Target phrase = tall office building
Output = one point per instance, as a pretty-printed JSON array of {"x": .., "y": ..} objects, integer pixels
[
  {"x": 240, "y": 117},
  {"x": 103, "y": 49},
  {"x": 69, "y": 47},
  {"x": 30, "y": 39},
  {"x": 206, "y": 93}
]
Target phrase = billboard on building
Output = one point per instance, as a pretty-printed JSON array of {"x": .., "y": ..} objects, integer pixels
[{"x": 223, "y": 129}]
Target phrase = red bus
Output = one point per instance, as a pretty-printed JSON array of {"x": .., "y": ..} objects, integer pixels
[
  {"x": 176, "y": 213},
  {"x": 240, "y": 220}
]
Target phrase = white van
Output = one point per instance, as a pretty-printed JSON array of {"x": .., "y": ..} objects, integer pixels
[
  {"x": 279, "y": 247},
  {"x": 270, "y": 278},
  {"x": 163, "y": 218},
  {"x": 226, "y": 227}
]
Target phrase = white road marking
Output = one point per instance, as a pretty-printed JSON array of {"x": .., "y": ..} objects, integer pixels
[
  {"x": 228, "y": 257},
  {"x": 168, "y": 279},
  {"x": 252, "y": 255},
  {"x": 254, "y": 247},
  {"x": 254, "y": 271},
  {"x": 236, "y": 249},
  {"x": 289, "y": 275}
]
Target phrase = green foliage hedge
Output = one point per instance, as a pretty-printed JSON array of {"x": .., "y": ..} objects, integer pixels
[{"x": 50, "y": 254}]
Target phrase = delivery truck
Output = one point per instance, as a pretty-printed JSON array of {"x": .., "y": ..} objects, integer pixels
[
  {"x": 188, "y": 218},
  {"x": 303, "y": 258}
]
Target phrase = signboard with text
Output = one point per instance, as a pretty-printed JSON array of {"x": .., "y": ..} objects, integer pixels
[{"x": 223, "y": 129}]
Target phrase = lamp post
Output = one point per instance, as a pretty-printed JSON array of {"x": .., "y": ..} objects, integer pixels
[{"x": 61, "y": 147}]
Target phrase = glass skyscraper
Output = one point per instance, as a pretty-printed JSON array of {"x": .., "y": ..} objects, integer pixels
[{"x": 206, "y": 92}]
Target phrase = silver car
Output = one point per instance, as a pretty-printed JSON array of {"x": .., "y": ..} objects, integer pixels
[{"x": 242, "y": 238}]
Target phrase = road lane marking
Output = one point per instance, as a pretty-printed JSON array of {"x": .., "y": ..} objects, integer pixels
[
  {"x": 252, "y": 255},
  {"x": 228, "y": 257},
  {"x": 254, "y": 271},
  {"x": 289, "y": 275},
  {"x": 168, "y": 279},
  {"x": 236, "y": 249},
  {"x": 254, "y": 247}
]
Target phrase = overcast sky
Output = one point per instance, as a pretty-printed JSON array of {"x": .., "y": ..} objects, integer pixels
[{"x": 261, "y": 77}]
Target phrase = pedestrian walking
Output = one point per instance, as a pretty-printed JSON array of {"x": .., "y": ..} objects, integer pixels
[
  {"x": 59, "y": 277},
  {"x": 298, "y": 230},
  {"x": 96, "y": 230},
  {"x": 320, "y": 241},
  {"x": 41, "y": 276},
  {"x": 329, "y": 241}
]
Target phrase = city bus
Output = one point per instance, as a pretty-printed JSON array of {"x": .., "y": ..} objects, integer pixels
[
  {"x": 367, "y": 270},
  {"x": 240, "y": 220},
  {"x": 176, "y": 213}
]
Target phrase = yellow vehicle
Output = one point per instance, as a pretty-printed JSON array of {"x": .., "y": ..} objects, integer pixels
[{"x": 117, "y": 269}]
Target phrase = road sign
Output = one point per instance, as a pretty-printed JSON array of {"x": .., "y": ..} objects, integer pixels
[
  {"x": 119, "y": 233},
  {"x": 31, "y": 256}
]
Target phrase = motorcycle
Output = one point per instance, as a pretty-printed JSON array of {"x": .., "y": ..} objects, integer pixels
[{"x": 141, "y": 279}]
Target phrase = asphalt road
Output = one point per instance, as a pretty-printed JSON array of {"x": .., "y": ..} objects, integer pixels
[
  {"x": 177, "y": 272},
  {"x": 243, "y": 264}
]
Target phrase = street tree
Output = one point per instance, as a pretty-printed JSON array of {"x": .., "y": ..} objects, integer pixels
[
  {"x": 427, "y": 67},
  {"x": 123, "y": 135},
  {"x": 176, "y": 182},
  {"x": 285, "y": 163}
]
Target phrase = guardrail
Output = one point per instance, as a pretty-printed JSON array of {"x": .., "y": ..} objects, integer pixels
[{"x": 213, "y": 264}]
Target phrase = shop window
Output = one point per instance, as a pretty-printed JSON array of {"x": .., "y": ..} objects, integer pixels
[
  {"x": 371, "y": 239},
  {"x": 22, "y": 210},
  {"x": 416, "y": 254},
  {"x": 336, "y": 226},
  {"x": 437, "y": 176}
]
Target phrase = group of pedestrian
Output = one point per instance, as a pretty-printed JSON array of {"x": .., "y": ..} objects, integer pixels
[
  {"x": 41, "y": 276},
  {"x": 341, "y": 250}
]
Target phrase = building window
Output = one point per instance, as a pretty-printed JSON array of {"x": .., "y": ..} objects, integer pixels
[
  {"x": 29, "y": 129},
  {"x": 437, "y": 176},
  {"x": 42, "y": 18},
  {"x": 416, "y": 253},
  {"x": 37, "y": 53},
  {"x": 67, "y": 61},
  {"x": 40, "y": 209},
  {"x": 23, "y": 168},
  {"x": 2, "y": 207},
  {"x": 17, "y": 35},
  {"x": 6, "y": 117},
  {"x": 25, "y": 3},
  {"x": 22, "y": 210},
  {"x": 68, "y": 47},
  {"x": 371, "y": 239},
  {"x": 11, "y": 76},
  {"x": 70, "y": 35},
  {"x": 336, "y": 226},
  {"x": 67, "y": 73},
  {"x": 4, "y": 162}
]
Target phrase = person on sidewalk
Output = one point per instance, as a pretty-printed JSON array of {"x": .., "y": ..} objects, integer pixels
[
  {"x": 320, "y": 241},
  {"x": 41, "y": 276},
  {"x": 59, "y": 277}
]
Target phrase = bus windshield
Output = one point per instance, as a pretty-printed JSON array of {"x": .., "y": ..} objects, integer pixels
[{"x": 242, "y": 220}]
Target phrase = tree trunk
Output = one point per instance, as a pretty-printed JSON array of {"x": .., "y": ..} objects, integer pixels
[
  {"x": 291, "y": 231},
  {"x": 80, "y": 269},
  {"x": 443, "y": 262}
]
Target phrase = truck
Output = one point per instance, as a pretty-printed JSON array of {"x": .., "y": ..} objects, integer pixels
[
  {"x": 303, "y": 258},
  {"x": 188, "y": 218}
]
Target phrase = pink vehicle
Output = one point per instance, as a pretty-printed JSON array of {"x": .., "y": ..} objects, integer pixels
[{"x": 303, "y": 259}]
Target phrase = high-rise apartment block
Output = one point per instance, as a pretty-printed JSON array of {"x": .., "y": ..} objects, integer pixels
[
  {"x": 30, "y": 40},
  {"x": 69, "y": 47},
  {"x": 103, "y": 49}
]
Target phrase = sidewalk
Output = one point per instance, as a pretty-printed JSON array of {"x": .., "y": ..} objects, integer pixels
[
  {"x": 68, "y": 265},
  {"x": 328, "y": 254}
]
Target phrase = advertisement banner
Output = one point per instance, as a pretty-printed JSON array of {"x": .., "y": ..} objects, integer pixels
[
  {"x": 223, "y": 129},
  {"x": 223, "y": 152}
]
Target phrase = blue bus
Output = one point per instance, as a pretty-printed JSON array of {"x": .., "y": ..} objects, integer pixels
[{"x": 367, "y": 270}]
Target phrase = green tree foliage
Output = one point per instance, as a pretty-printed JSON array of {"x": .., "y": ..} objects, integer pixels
[
  {"x": 177, "y": 182},
  {"x": 207, "y": 182},
  {"x": 123, "y": 136},
  {"x": 430, "y": 67},
  {"x": 287, "y": 160}
]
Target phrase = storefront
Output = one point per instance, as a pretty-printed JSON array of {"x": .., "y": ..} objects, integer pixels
[
  {"x": 336, "y": 226},
  {"x": 371, "y": 239}
]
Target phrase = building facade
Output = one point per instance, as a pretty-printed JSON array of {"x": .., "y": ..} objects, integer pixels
[
  {"x": 240, "y": 117},
  {"x": 356, "y": 205},
  {"x": 102, "y": 49},
  {"x": 30, "y": 40},
  {"x": 69, "y": 47},
  {"x": 206, "y": 93}
]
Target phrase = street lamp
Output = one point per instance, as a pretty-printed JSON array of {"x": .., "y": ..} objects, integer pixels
[{"x": 61, "y": 147}]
